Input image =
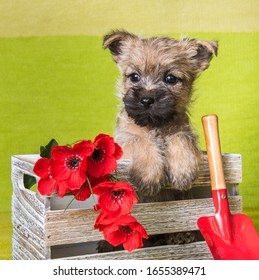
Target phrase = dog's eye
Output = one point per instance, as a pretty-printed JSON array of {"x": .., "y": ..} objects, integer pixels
[
  {"x": 134, "y": 77},
  {"x": 170, "y": 79}
]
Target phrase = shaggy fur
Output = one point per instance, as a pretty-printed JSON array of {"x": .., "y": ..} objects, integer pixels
[{"x": 153, "y": 126}]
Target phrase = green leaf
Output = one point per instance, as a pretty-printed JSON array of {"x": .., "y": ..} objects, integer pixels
[
  {"x": 29, "y": 181},
  {"x": 45, "y": 152}
]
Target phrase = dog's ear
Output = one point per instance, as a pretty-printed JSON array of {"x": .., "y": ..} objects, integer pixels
[
  {"x": 115, "y": 42},
  {"x": 201, "y": 53}
]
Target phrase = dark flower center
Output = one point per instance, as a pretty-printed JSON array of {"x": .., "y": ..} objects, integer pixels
[
  {"x": 126, "y": 230},
  {"x": 118, "y": 195},
  {"x": 72, "y": 162},
  {"x": 98, "y": 155}
]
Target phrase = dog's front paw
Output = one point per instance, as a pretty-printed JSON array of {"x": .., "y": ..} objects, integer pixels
[
  {"x": 146, "y": 177},
  {"x": 183, "y": 163},
  {"x": 182, "y": 180}
]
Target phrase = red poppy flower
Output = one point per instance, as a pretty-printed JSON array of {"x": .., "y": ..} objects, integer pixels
[
  {"x": 115, "y": 198},
  {"x": 69, "y": 164},
  {"x": 104, "y": 157},
  {"x": 46, "y": 184},
  {"x": 125, "y": 230}
]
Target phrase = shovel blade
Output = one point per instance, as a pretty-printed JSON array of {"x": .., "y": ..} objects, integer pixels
[{"x": 243, "y": 244}]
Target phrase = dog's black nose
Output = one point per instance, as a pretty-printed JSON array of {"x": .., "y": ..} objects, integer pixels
[{"x": 147, "y": 101}]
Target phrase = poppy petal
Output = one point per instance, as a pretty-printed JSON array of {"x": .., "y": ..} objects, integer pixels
[
  {"x": 83, "y": 193},
  {"x": 46, "y": 186},
  {"x": 134, "y": 241},
  {"x": 118, "y": 153},
  {"x": 107, "y": 205},
  {"x": 59, "y": 171},
  {"x": 83, "y": 148},
  {"x": 62, "y": 188},
  {"x": 103, "y": 188},
  {"x": 60, "y": 152},
  {"x": 100, "y": 169},
  {"x": 102, "y": 221},
  {"x": 115, "y": 238},
  {"x": 75, "y": 180},
  {"x": 105, "y": 141},
  {"x": 41, "y": 167}
]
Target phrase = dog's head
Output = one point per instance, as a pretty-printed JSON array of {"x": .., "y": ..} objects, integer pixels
[{"x": 158, "y": 73}]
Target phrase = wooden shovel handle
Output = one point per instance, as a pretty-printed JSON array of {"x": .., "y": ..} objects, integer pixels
[{"x": 210, "y": 127}]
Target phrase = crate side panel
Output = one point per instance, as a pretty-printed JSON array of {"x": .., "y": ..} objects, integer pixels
[
  {"x": 28, "y": 212},
  {"x": 75, "y": 226}
]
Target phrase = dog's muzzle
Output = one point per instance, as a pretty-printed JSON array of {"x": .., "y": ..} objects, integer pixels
[{"x": 149, "y": 108}]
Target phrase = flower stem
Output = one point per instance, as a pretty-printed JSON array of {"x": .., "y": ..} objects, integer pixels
[
  {"x": 75, "y": 196},
  {"x": 72, "y": 144},
  {"x": 91, "y": 189},
  {"x": 116, "y": 175}
]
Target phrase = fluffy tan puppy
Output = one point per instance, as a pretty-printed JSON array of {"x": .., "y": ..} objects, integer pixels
[{"x": 153, "y": 125}]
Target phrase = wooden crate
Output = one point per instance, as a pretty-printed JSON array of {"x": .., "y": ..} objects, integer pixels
[{"x": 43, "y": 230}]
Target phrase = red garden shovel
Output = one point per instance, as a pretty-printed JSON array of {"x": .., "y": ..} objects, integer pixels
[{"x": 229, "y": 237}]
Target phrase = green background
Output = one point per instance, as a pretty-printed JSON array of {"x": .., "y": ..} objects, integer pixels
[{"x": 57, "y": 82}]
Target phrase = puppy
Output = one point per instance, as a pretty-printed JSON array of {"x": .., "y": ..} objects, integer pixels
[{"x": 153, "y": 126}]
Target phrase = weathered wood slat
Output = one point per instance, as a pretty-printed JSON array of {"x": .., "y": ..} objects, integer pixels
[
  {"x": 24, "y": 247},
  {"x": 232, "y": 165},
  {"x": 197, "y": 250},
  {"x": 232, "y": 168},
  {"x": 21, "y": 250},
  {"x": 74, "y": 226}
]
